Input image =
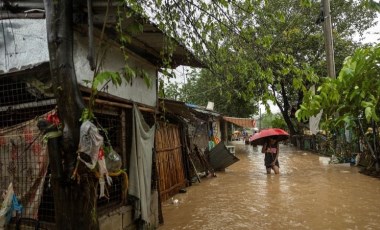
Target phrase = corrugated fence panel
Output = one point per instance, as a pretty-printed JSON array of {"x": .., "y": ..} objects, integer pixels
[{"x": 221, "y": 158}]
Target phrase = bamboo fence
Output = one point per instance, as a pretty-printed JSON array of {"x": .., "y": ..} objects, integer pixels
[{"x": 171, "y": 177}]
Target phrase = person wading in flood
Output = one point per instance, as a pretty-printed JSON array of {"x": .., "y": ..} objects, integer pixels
[{"x": 271, "y": 150}]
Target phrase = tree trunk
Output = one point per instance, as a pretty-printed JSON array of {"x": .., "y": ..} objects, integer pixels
[
  {"x": 74, "y": 202},
  {"x": 285, "y": 109}
]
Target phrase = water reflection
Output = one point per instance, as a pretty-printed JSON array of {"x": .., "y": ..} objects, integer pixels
[{"x": 308, "y": 194}]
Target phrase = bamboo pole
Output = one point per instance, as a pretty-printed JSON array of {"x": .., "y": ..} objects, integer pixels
[{"x": 118, "y": 104}]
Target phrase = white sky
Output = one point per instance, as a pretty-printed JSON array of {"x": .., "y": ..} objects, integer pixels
[{"x": 373, "y": 34}]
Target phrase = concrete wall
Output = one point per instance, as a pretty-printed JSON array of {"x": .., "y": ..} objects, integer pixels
[
  {"x": 118, "y": 219},
  {"x": 122, "y": 218},
  {"x": 137, "y": 90}
]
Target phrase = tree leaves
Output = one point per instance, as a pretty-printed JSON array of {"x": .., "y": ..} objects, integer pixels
[
  {"x": 373, "y": 5},
  {"x": 275, "y": 48},
  {"x": 355, "y": 92},
  {"x": 105, "y": 77},
  {"x": 306, "y": 3}
]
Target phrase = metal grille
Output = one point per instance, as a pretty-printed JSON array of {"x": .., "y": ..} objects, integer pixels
[
  {"x": 111, "y": 124},
  {"x": 46, "y": 210},
  {"x": 21, "y": 101},
  {"x": 23, "y": 155},
  {"x": 111, "y": 127}
]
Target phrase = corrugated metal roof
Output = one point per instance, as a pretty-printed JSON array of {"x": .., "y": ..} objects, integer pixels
[
  {"x": 178, "y": 108},
  {"x": 203, "y": 110},
  {"x": 188, "y": 111}
]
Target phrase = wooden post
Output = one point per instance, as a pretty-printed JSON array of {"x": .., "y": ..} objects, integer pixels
[
  {"x": 123, "y": 138},
  {"x": 328, "y": 39}
]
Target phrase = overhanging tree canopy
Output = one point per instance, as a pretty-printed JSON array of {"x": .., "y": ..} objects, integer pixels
[{"x": 275, "y": 48}]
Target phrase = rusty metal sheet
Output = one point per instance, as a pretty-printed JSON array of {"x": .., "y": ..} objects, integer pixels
[
  {"x": 178, "y": 108},
  {"x": 220, "y": 157}
]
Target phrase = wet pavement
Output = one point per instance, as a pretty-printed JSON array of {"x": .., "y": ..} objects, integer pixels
[{"x": 309, "y": 193}]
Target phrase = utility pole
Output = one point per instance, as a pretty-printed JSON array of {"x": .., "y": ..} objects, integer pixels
[
  {"x": 260, "y": 119},
  {"x": 328, "y": 38}
]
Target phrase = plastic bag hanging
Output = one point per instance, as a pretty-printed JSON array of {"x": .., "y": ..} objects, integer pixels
[
  {"x": 91, "y": 143},
  {"x": 6, "y": 206},
  {"x": 103, "y": 172},
  {"x": 113, "y": 161}
]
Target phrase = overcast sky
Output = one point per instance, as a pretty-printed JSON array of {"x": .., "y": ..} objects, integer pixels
[{"x": 373, "y": 35}]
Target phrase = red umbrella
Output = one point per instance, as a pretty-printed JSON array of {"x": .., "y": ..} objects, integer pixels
[{"x": 261, "y": 137}]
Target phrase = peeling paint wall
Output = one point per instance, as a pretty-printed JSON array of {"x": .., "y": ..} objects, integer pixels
[{"x": 23, "y": 44}]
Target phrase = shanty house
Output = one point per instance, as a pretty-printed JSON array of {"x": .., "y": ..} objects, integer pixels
[
  {"x": 185, "y": 144},
  {"x": 26, "y": 94},
  {"x": 182, "y": 137}
]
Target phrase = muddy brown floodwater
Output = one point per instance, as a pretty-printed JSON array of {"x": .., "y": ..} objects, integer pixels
[{"x": 309, "y": 193}]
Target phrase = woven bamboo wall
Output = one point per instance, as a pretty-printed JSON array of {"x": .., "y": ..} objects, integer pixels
[{"x": 171, "y": 177}]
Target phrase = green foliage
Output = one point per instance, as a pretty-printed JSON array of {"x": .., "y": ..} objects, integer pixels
[
  {"x": 129, "y": 73},
  {"x": 306, "y": 3},
  {"x": 86, "y": 115},
  {"x": 354, "y": 94},
  {"x": 279, "y": 122},
  {"x": 105, "y": 77},
  {"x": 269, "y": 120},
  {"x": 171, "y": 91},
  {"x": 230, "y": 98},
  {"x": 101, "y": 80},
  {"x": 373, "y": 5},
  {"x": 146, "y": 78}
]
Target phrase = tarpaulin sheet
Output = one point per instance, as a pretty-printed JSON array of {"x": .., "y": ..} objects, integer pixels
[
  {"x": 140, "y": 168},
  {"x": 242, "y": 122}
]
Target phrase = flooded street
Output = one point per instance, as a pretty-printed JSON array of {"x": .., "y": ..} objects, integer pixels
[{"x": 309, "y": 193}]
